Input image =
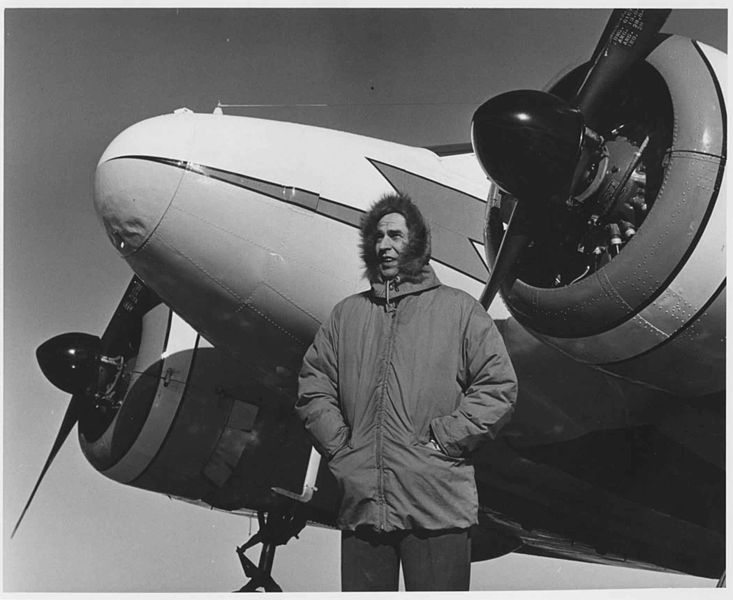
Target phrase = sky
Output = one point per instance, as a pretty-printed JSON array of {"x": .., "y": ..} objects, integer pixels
[{"x": 76, "y": 78}]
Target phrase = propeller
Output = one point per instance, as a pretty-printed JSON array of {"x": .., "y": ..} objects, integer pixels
[
  {"x": 536, "y": 147},
  {"x": 74, "y": 363}
]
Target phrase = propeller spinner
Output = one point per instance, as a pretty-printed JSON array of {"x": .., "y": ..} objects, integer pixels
[
  {"x": 70, "y": 361},
  {"x": 537, "y": 148}
]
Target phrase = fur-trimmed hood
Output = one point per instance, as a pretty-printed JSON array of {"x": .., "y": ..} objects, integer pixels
[{"x": 417, "y": 252}]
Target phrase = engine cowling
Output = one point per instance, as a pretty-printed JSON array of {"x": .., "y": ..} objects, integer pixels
[{"x": 648, "y": 303}]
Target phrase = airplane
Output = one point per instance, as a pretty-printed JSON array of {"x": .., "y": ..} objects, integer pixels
[{"x": 615, "y": 454}]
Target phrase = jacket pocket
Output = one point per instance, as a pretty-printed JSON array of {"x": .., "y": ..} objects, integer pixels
[
  {"x": 428, "y": 448},
  {"x": 340, "y": 449}
]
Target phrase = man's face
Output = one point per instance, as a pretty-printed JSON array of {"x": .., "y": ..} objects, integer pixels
[{"x": 392, "y": 239}]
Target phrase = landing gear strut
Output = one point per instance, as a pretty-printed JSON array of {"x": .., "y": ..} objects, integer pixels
[{"x": 276, "y": 529}]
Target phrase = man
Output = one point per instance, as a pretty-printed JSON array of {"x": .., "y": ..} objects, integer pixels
[{"x": 401, "y": 384}]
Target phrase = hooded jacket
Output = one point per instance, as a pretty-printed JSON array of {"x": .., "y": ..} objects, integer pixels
[{"x": 387, "y": 369}]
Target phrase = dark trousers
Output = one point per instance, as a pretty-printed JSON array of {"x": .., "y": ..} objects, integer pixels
[{"x": 431, "y": 560}]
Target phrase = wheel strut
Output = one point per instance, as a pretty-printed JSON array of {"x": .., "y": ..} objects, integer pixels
[{"x": 276, "y": 529}]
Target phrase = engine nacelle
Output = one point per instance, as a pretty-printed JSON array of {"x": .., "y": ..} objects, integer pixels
[
  {"x": 192, "y": 423},
  {"x": 654, "y": 310}
]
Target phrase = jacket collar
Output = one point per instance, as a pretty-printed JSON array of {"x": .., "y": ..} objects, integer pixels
[{"x": 394, "y": 288}]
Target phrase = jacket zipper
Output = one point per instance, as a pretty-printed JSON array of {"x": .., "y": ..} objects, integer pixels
[
  {"x": 389, "y": 284},
  {"x": 381, "y": 502}
]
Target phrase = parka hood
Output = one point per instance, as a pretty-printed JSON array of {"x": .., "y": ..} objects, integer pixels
[{"x": 417, "y": 252}]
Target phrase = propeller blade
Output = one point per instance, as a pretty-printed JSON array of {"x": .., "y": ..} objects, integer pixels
[
  {"x": 629, "y": 36},
  {"x": 516, "y": 238},
  {"x": 67, "y": 424},
  {"x": 125, "y": 322}
]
